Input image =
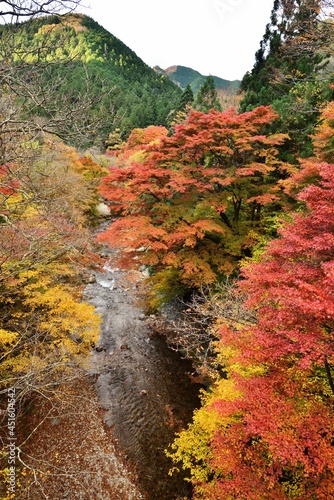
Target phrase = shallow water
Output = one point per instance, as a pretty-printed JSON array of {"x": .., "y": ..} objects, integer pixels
[{"x": 142, "y": 384}]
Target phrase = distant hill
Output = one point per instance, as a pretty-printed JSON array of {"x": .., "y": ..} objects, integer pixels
[
  {"x": 181, "y": 75},
  {"x": 74, "y": 46}
]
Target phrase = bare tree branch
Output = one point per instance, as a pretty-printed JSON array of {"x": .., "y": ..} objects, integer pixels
[
  {"x": 24, "y": 9},
  {"x": 194, "y": 330}
]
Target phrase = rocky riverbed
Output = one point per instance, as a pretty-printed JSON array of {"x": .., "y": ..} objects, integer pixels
[{"x": 143, "y": 386}]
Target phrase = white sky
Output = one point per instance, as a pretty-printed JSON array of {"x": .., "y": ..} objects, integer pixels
[{"x": 217, "y": 37}]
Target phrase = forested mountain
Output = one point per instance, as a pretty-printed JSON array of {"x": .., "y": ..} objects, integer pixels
[
  {"x": 82, "y": 61},
  {"x": 183, "y": 76}
]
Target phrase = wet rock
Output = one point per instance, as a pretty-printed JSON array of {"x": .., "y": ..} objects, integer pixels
[{"x": 100, "y": 348}]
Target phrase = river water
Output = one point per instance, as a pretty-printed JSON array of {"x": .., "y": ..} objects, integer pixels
[{"x": 143, "y": 385}]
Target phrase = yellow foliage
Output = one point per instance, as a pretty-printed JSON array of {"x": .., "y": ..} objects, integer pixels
[
  {"x": 227, "y": 353},
  {"x": 138, "y": 156},
  {"x": 192, "y": 448},
  {"x": 7, "y": 337},
  {"x": 46, "y": 329},
  {"x": 164, "y": 285},
  {"x": 71, "y": 323},
  {"x": 55, "y": 331}
]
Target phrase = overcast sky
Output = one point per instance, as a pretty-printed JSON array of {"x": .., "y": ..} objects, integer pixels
[{"x": 217, "y": 37}]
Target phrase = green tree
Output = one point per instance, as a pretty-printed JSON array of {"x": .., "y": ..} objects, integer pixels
[
  {"x": 290, "y": 71},
  {"x": 183, "y": 108},
  {"x": 206, "y": 97},
  {"x": 186, "y": 99},
  {"x": 286, "y": 55},
  {"x": 100, "y": 82}
]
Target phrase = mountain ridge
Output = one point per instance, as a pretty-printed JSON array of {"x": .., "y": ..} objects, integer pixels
[{"x": 183, "y": 75}]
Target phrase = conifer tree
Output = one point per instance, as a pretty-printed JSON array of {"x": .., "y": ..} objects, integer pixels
[
  {"x": 181, "y": 112},
  {"x": 207, "y": 97},
  {"x": 289, "y": 52},
  {"x": 291, "y": 70},
  {"x": 186, "y": 99}
]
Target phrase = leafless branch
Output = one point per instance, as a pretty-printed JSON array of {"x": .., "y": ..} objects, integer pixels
[
  {"x": 195, "y": 330},
  {"x": 16, "y": 10}
]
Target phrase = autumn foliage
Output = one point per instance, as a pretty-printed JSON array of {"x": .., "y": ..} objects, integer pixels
[
  {"x": 272, "y": 421},
  {"x": 45, "y": 247},
  {"x": 281, "y": 438},
  {"x": 197, "y": 200}
]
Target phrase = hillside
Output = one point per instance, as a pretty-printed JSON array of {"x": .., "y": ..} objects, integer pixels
[
  {"x": 73, "y": 59},
  {"x": 181, "y": 75}
]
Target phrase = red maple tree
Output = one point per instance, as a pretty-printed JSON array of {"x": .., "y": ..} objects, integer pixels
[
  {"x": 195, "y": 204},
  {"x": 279, "y": 442}
]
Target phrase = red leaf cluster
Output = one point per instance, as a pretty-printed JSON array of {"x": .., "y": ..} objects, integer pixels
[
  {"x": 280, "y": 444},
  {"x": 197, "y": 196}
]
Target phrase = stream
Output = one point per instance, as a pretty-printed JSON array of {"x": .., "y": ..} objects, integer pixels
[{"x": 142, "y": 385}]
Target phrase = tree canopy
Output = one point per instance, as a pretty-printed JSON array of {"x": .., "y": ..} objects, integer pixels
[
  {"x": 197, "y": 200},
  {"x": 267, "y": 430}
]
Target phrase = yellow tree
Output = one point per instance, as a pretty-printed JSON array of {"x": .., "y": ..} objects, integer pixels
[{"x": 46, "y": 330}]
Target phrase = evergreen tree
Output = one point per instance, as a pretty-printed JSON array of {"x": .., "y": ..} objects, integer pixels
[
  {"x": 207, "y": 97},
  {"x": 186, "y": 99},
  {"x": 181, "y": 112},
  {"x": 114, "y": 141},
  {"x": 288, "y": 53},
  {"x": 290, "y": 71},
  {"x": 100, "y": 82}
]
